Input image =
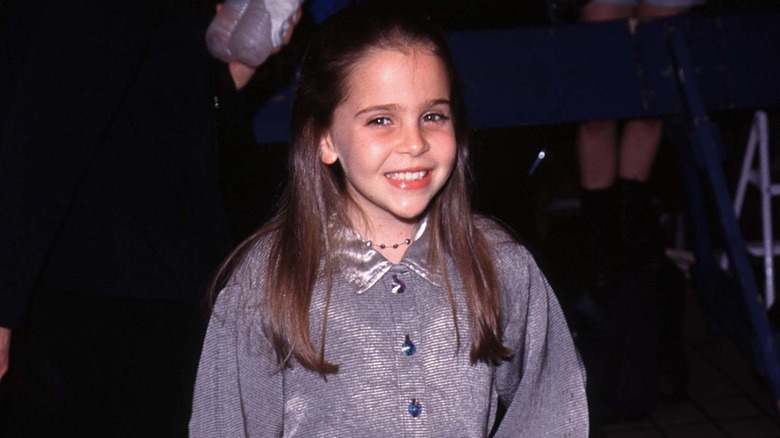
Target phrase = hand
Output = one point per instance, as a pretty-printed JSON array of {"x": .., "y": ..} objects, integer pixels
[
  {"x": 242, "y": 73},
  {"x": 5, "y": 349}
]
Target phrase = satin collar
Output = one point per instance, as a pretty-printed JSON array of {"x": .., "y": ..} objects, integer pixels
[{"x": 363, "y": 266}]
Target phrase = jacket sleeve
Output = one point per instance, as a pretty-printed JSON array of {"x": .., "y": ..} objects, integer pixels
[
  {"x": 239, "y": 386},
  {"x": 543, "y": 385}
]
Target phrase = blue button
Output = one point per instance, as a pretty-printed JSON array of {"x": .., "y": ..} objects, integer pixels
[
  {"x": 415, "y": 408},
  {"x": 398, "y": 285},
  {"x": 408, "y": 347}
]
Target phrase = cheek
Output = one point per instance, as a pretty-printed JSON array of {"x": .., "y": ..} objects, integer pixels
[
  {"x": 451, "y": 164},
  {"x": 448, "y": 152},
  {"x": 364, "y": 155}
]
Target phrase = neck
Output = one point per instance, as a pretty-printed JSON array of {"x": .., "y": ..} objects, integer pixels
[
  {"x": 387, "y": 231},
  {"x": 390, "y": 240},
  {"x": 389, "y": 236}
]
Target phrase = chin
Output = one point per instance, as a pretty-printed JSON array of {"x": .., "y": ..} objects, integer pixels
[{"x": 410, "y": 215}]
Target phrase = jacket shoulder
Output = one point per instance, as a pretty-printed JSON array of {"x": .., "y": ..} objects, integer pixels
[{"x": 495, "y": 231}]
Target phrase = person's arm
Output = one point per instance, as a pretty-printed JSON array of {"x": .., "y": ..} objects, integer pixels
[
  {"x": 242, "y": 73},
  {"x": 5, "y": 349},
  {"x": 543, "y": 385}
]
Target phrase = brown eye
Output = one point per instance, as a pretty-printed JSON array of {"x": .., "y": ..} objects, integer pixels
[
  {"x": 379, "y": 121},
  {"x": 435, "y": 117}
]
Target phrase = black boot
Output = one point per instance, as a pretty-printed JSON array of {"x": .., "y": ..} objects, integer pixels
[
  {"x": 641, "y": 235},
  {"x": 642, "y": 240},
  {"x": 600, "y": 239},
  {"x": 599, "y": 245}
]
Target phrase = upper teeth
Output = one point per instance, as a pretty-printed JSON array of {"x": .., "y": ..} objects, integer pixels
[{"x": 407, "y": 176}]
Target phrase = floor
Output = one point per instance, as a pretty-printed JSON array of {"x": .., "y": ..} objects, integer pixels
[{"x": 726, "y": 397}]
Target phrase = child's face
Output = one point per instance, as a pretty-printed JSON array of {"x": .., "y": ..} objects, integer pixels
[{"x": 394, "y": 134}]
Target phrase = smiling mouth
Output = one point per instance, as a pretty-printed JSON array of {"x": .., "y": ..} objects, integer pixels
[
  {"x": 411, "y": 179},
  {"x": 408, "y": 176}
]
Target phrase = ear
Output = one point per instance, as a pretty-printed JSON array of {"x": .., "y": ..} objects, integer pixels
[{"x": 328, "y": 153}]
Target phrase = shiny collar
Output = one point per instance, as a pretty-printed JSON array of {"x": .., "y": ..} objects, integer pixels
[{"x": 363, "y": 266}]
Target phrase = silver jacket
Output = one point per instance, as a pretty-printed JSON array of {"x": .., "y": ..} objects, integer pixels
[{"x": 391, "y": 331}]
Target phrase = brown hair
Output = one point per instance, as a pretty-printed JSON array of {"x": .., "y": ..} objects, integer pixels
[{"x": 316, "y": 192}]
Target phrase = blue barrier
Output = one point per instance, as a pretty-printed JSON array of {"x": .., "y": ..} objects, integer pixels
[{"x": 572, "y": 72}]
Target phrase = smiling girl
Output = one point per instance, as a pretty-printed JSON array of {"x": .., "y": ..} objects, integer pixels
[{"x": 375, "y": 303}]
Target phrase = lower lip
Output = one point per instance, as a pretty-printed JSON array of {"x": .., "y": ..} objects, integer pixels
[{"x": 412, "y": 184}]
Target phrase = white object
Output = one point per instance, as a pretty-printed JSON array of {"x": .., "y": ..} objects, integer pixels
[
  {"x": 760, "y": 177},
  {"x": 248, "y": 30}
]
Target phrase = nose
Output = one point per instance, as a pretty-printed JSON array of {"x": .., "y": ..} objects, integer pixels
[{"x": 414, "y": 141}]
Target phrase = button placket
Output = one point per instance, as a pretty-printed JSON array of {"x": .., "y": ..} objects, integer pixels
[{"x": 402, "y": 286}]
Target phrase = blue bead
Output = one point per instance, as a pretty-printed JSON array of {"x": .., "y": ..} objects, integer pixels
[
  {"x": 415, "y": 408},
  {"x": 408, "y": 346}
]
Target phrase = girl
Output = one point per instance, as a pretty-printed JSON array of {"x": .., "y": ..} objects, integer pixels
[{"x": 375, "y": 303}]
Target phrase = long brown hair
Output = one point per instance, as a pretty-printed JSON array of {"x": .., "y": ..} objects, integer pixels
[{"x": 316, "y": 193}]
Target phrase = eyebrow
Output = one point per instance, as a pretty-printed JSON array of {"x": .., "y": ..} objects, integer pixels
[{"x": 393, "y": 107}]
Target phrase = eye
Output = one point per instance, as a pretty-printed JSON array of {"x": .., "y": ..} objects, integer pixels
[
  {"x": 435, "y": 117},
  {"x": 379, "y": 121}
]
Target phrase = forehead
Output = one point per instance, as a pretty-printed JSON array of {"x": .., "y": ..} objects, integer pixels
[{"x": 397, "y": 72}]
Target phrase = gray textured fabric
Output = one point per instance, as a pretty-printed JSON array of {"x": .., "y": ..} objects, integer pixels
[{"x": 241, "y": 391}]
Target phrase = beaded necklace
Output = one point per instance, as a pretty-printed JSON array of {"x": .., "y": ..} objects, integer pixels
[{"x": 394, "y": 246}]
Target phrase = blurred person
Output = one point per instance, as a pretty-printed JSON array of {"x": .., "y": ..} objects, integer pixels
[
  {"x": 627, "y": 270},
  {"x": 111, "y": 219}
]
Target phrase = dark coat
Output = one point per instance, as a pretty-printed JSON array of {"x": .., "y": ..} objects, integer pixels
[{"x": 108, "y": 161}]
